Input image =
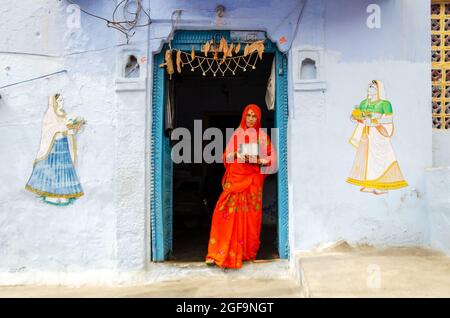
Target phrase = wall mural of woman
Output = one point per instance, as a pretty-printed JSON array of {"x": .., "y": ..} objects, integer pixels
[
  {"x": 248, "y": 158},
  {"x": 54, "y": 177},
  {"x": 375, "y": 168}
]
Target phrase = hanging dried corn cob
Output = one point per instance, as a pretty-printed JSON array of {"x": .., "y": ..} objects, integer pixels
[
  {"x": 192, "y": 53},
  {"x": 238, "y": 48},
  {"x": 256, "y": 46},
  {"x": 223, "y": 46},
  {"x": 246, "y": 50},
  {"x": 205, "y": 48},
  {"x": 168, "y": 63},
  {"x": 179, "y": 61}
]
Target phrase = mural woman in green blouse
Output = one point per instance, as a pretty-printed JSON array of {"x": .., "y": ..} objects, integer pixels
[{"x": 375, "y": 168}]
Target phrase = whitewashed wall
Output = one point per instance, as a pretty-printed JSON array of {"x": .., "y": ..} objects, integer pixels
[
  {"x": 40, "y": 37},
  {"x": 438, "y": 207},
  {"x": 108, "y": 227},
  {"x": 326, "y": 208}
]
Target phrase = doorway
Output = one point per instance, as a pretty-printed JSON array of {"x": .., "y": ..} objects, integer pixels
[
  {"x": 218, "y": 102},
  {"x": 184, "y": 195}
]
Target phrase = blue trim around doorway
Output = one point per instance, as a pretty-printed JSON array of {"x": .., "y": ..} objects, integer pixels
[{"x": 185, "y": 40}]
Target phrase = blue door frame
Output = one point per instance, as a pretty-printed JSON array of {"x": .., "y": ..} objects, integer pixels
[{"x": 161, "y": 165}]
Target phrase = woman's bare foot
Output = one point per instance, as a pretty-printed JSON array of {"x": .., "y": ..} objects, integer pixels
[
  {"x": 372, "y": 190},
  {"x": 210, "y": 262},
  {"x": 367, "y": 190},
  {"x": 51, "y": 200}
]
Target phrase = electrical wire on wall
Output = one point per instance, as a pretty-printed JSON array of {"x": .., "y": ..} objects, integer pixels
[
  {"x": 132, "y": 10},
  {"x": 33, "y": 79},
  {"x": 174, "y": 24}
]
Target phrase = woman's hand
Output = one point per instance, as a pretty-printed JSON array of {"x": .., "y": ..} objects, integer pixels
[
  {"x": 231, "y": 156},
  {"x": 76, "y": 124},
  {"x": 382, "y": 131},
  {"x": 251, "y": 159},
  {"x": 247, "y": 159},
  {"x": 368, "y": 122},
  {"x": 357, "y": 119},
  {"x": 256, "y": 160}
]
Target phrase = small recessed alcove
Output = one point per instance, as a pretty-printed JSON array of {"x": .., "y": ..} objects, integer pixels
[
  {"x": 132, "y": 68},
  {"x": 309, "y": 73},
  {"x": 308, "y": 70}
]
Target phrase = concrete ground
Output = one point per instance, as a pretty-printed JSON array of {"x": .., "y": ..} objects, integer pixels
[
  {"x": 204, "y": 288},
  {"x": 339, "y": 271},
  {"x": 366, "y": 272},
  {"x": 264, "y": 279}
]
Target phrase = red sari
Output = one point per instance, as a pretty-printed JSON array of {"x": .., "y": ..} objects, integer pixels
[{"x": 236, "y": 222}]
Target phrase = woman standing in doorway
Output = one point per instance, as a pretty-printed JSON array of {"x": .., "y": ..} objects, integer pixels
[{"x": 248, "y": 158}]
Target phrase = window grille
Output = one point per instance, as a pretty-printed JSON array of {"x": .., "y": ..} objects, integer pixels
[{"x": 440, "y": 57}]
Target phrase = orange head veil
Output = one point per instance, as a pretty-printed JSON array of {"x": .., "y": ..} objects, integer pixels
[
  {"x": 257, "y": 111},
  {"x": 241, "y": 134},
  {"x": 245, "y": 135},
  {"x": 252, "y": 134}
]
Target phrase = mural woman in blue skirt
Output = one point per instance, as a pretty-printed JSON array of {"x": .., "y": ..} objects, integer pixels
[{"x": 54, "y": 177}]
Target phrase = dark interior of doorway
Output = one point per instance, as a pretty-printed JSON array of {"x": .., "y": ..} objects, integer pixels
[{"x": 218, "y": 102}]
